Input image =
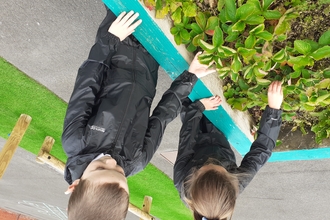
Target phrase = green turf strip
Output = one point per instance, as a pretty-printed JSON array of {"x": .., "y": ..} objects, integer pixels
[{"x": 20, "y": 94}]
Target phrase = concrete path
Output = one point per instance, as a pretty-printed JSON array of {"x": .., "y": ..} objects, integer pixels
[{"x": 48, "y": 40}]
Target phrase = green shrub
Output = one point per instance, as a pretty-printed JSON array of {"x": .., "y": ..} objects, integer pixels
[{"x": 247, "y": 41}]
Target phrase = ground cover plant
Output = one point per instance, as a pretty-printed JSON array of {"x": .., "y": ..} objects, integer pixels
[
  {"x": 254, "y": 42},
  {"x": 21, "y": 94}
]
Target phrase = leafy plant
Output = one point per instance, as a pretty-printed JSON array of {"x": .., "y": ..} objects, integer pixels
[{"x": 247, "y": 42}]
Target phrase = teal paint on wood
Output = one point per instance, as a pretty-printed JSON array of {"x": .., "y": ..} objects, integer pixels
[
  {"x": 158, "y": 45},
  {"x": 312, "y": 154}
]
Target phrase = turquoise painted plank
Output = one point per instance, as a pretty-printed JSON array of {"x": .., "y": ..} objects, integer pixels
[
  {"x": 312, "y": 154},
  {"x": 158, "y": 45}
]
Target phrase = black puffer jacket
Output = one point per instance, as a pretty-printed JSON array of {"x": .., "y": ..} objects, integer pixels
[
  {"x": 109, "y": 109},
  {"x": 200, "y": 140}
]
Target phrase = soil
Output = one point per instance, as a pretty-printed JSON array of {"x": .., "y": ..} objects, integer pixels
[{"x": 296, "y": 140}]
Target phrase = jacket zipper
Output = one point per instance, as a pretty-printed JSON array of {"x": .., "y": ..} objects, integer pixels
[{"x": 129, "y": 100}]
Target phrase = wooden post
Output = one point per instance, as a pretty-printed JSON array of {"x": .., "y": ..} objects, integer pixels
[
  {"x": 13, "y": 141},
  {"x": 44, "y": 155},
  {"x": 146, "y": 205}
]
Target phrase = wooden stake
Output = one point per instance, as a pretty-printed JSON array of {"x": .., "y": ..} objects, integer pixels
[
  {"x": 13, "y": 141},
  {"x": 146, "y": 205}
]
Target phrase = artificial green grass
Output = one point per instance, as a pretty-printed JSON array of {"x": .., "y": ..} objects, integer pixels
[{"x": 20, "y": 94}]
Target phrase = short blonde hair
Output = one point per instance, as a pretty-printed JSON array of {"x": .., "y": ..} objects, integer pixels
[{"x": 98, "y": 201}]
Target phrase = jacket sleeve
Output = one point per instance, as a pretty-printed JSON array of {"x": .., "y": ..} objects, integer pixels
[
  {"x": 191, "y": 117},
  {"x": 262, "y": 147},
  {"x": 166, "y": 111},
  {"x": 84, "y": 95}
]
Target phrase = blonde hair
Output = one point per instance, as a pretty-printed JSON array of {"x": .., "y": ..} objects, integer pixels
[
  {"x": 98, "y": 201},
  {"x": 212, "y": 194}
]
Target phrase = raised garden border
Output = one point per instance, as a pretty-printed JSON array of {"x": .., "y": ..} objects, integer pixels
[{"x": 156, "y": 38}]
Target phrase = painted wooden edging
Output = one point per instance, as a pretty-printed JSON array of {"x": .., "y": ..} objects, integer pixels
[{"x": 167, "y": 54}]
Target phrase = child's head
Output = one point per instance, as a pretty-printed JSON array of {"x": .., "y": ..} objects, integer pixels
[
  {"x": 212, "y": 193},
  {"x": 101, "y": 193}
]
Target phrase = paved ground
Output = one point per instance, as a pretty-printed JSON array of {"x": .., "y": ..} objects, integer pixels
[{"x": 48, "y": 40}]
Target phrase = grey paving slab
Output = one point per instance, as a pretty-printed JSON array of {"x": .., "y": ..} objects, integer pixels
[{"x": 48, "y": 40}]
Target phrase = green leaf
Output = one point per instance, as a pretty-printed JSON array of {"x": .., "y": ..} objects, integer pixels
[
  {"x": 266, "y": 4},
  {"x": 221, "y": 3},
  {"x": 305, "y": 74},
  {"x": 295, "y": 74},
  {"x": 263, "y": 82},
  {"x": 201, "y": 20},
  {"x": 257, "y": 29},
  {"x": 177, "y": 39},
  {"x": 232, "y": 36},
  {"x": 300, "y": 61},
  {"x": 325, "y": 38},
  {"x": 239, "y": 26},
  {"x": 281, "y": 37},
  {"x": 307, "y": 107},
  {"x": 236, "y": 64},
  {"x": 159, "y": 4},
  {"x": 206, "y": 46},
  {"x": 191, "y": 47},
  {"x": 272, "y": 15},
  {"x": 243, "y": 85},
  {"x": 195, "y": 27},
  {"x": 185, "y": 34},
  {"x": 176, "y": 15},
  {"x": 205, "y": 58},
  {"x": 265, "y": 35},
  {"x": 217, "y": 38},
  {"x": 248, "y": 73},
  {"x": 189, "y": 10},
  {"x": 246, "y": 52},
  {"x": 174, "y": 30},
  {"x": 234, "y": 76},
  {"x": 174, "y": 6},
  {"x": 212, "y": 22},
  {"x": 286, "y": 106},
  {"x": 197, "y": 38},
  {"x": 323, "y": 97},
  {"x": 281, "y": 27},
  {"x": 303, "y": 97},
  {"x": 227, "y": 50},
  {"x": 222, "y": 16},
  {"x": 254, "y": 20},
  {"x": 230, "y": 10},
  {"x": 257, "y": 5},
  {"x": 280, "y": 56},
  {"x": 238, "y": 103},
  {"x": 314, "y": 45},
  {"x": 321, "y": 53},
  {"x": 162, "y": 12},
  {"x": 323, "y": 84},
  {"x": 245, "y": 11},
  {"x": 302, "y": 47},
  {"x": 250, "y": 42}
]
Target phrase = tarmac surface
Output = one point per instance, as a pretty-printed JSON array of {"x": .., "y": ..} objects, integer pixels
[{"x": 48, "y": 40}]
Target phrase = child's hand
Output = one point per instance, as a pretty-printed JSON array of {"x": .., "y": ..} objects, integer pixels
[
  {"x": 275, "y": 95},
  {"x": 199, "y": 69},
  {"x": 123, "y": 26},
  {"x": 211, "y": 103}
]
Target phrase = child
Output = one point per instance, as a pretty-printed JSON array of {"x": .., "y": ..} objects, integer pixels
[
  {"x": 108, "y": 134},
  {"x": 205, "y": 171}
]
